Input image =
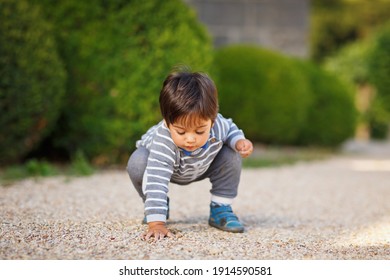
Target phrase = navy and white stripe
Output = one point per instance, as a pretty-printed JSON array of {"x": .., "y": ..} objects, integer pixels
[{"x": 167, "y": 162}]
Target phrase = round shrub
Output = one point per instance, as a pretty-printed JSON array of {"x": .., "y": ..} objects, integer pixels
[
  {"x": 379, "y": 70},
  {"x": 118, "y": 54},
  {"x": 32, "y": 79},
  {"x": 332, "y": 116},
  {"x": 263, "y": 92},
  {"x": 379, "y": 65}
]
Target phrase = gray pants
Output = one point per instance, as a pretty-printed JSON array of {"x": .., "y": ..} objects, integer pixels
[{"x": 224, "y": 172}]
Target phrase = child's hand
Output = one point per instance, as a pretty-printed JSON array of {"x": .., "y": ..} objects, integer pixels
[
  {"x": 158, "y": 230},
  {"x": 244, "y": 147}
]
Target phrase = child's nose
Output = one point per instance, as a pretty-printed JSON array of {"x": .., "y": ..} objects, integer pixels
[{"x": 191, "y": 138}]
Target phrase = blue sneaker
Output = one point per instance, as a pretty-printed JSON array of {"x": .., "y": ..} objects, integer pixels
[
  {"x": 144, "y": 220},
  {"x": 223, "y": 218}
]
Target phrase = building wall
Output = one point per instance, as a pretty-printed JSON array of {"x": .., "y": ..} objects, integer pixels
[{"x": 282, "y": 25}]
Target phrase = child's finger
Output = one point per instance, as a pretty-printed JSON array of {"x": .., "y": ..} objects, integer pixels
[
  {"x": 150, "y": 234},
  {"x": 158, "y": 235},
  {"x": 147, "y": 235}
]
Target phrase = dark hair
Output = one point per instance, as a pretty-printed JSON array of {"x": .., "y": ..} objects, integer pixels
[{"x": 186, "y": 95}]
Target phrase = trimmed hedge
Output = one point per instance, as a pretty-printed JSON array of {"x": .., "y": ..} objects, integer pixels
[
  {"x": 118, "y": 54},
  {"x": 263, "y": 92},
  {"x": 379, "y": 65},
  {"x": 332, "y": 117},
  {"x": 32, "y": 79},
  {"x": 279, "y": 100},
  {"x": 379, "y": 70}
]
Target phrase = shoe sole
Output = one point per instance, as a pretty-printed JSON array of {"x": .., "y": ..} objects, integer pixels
[{"x": 234, "y": 230}]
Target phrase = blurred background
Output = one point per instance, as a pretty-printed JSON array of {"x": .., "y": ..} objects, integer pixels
[{"x": 80, "y": 80}]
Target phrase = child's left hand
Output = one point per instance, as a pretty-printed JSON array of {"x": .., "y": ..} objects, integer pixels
[{"x": 244, "y": 147}]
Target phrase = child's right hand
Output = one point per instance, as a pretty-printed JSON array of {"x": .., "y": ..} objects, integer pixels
[
  {"x": 158, "y": 230},
  {"x": 244, "y": 147}
]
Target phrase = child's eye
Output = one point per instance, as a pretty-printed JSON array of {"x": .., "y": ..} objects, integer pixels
[
  {"x": 200, "y": 132},
  {"x": 180, "y": 132}
]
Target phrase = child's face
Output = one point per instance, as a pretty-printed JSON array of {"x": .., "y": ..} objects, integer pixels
[{"x": 190, "y": 137}]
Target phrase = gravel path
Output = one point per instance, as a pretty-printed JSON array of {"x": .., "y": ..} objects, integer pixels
[{"x": 338, "y": 208}]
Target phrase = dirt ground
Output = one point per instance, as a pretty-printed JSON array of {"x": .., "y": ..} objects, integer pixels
[{"x": 338, "y": 208}]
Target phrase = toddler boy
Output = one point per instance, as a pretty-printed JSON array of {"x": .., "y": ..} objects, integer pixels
[{"x": 191, "y": 143}]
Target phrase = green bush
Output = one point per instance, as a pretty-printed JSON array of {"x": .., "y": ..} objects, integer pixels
[
  {"x": 351, "y": 62},
  {"x": 379, "y": 119},
  {"x": 379, "y": 69},
  {"x": 32, "y": 79},
  {"x": 379, "y": 66},
  {"x": 336, "y": 23},
  {"x": 118, "y": 54},
  {"x": 80, "y": 165},
  {"x": 31, "y": 168},
  {"x": 360, "y": 64},
  {"x": 263, "y": 92},
  {"x": 332, "y": 116},
  {"x": 40, "y": 168}
]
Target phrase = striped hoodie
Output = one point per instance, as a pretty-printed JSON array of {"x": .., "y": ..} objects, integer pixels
[{"x": 167, "y": 162}]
